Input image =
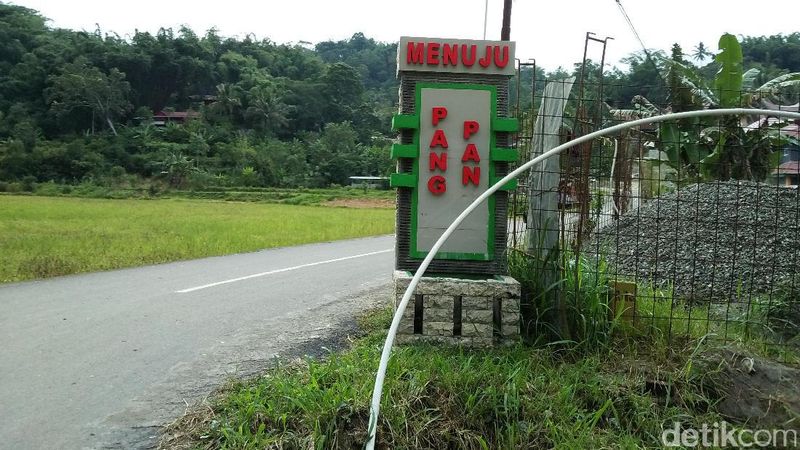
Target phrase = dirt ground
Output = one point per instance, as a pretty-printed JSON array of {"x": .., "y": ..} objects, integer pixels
[{"x": 753, "y": 390}]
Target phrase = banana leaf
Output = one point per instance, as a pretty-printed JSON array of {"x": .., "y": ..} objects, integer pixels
[
  {"x": 774, "y": 159},
  {"x": 691, "y": 145},
  {"x": 708, "y": 165},
  {"x": 670, "y": 137},
  {"x": 749, "y": 79},
  {"x": 689, "y": 79},
  {"x": 775, "y": 85},
  {"x": 728, "y": 82}
]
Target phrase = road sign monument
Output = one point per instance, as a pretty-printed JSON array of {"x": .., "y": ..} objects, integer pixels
[{"x": 454, "y": 142}]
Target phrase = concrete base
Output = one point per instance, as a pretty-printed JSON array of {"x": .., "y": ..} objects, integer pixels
[{"x": 477, "y": 313}]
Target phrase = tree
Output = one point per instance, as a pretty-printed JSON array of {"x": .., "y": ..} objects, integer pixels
[
  {"x": 734, "y": 152},
  {"x": 82, "y": 85},
  {"x": 228, "y": 100},
  {"x": 267, "y": 108},
  {"x": 343, "y": 91},
  {"x": 701, "y": 53},
  {"x": 336, "y": 155}
]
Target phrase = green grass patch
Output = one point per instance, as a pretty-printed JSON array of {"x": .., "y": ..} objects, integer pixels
[
  {"x": 449, "y": 397},
  {"x": 44, "y": 237},
  {"x": 290, "y": 196}
]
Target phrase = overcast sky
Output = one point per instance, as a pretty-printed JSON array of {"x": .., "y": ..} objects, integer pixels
[{"x": 552, "y": 31}]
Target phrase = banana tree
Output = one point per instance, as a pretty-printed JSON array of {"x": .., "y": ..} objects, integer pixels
[{"x": 726, "y": 150}]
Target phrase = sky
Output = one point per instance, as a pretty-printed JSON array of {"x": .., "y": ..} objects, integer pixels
[{"x": 551, "y": 32}]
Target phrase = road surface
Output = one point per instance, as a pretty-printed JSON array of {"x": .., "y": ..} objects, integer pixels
[{"x": 102, "y": 360}]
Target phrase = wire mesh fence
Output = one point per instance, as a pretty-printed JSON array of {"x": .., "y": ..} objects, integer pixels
[{"x": 680, "y": 230}]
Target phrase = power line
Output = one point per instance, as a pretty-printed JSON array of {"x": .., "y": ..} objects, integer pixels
[
  {"x": 641, "y": 42},
  {"x": 633, "y": 28}
]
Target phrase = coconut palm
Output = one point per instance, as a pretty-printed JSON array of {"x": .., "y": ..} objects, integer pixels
[{"x": 701, "y": 53}]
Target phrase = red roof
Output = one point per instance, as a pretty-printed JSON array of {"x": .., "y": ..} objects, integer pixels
[{"x": 788, "y": 168}]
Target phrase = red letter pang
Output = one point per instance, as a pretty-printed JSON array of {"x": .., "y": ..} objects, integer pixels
[
  {"x": 470, "y": 127},
  {"x": 437, "y": 185},
  {"x": 439, "y": 139},
  {"x": 439, "y": 113},
  {"x": 437, "y": 160}
]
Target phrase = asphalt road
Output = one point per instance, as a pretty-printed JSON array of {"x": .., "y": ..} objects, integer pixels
[{"x": 103, "y": 360}]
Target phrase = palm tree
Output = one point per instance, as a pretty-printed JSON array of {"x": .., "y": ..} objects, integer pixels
[
  {"x": 228, "y": 99},
  {"x": 701, "y": 53},
  {"x": 266, "y": 106}
]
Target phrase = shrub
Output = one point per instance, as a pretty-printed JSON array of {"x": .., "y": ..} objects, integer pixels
[
  {"x": 49, "y": 188},
  {"x": 14, "y": 187},
  {"x": 29, "y": 183}
]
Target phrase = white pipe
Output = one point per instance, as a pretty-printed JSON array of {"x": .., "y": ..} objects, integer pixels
[
  {"x": 613, "y": 166},
  {"x": 387, "y": 346},
  {"x": 485, "y": 17}
]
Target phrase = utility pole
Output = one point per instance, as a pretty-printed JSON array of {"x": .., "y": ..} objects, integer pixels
[{"x": 505, "y": 32}]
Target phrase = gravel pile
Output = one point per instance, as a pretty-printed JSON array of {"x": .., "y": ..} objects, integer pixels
[{"x": 711, "y": 241}]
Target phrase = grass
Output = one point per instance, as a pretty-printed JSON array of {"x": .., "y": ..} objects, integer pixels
[
  {"x": 289, "y": 196},
  {"x": 44, "y": 237},
  {"x": 592, "y": 379},
  {"x": 450, "y": 397},
  {"x": 572, "y": 306},
  {"x": 758, "y": 323}
]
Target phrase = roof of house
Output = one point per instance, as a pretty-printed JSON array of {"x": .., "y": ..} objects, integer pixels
[
  {"x": 791, "y": 129},
  {"x": 176, "y": 114},
  {"x": 788, "y": 168}
]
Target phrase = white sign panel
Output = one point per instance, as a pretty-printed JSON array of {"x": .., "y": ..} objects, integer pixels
[{"x": 454, "y": 140}]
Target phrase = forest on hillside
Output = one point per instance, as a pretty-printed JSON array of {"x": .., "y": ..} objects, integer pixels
[{"x": 78, "y": 107}]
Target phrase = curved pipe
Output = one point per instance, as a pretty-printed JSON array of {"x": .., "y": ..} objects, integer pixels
[{"x": 387, "y": 346}]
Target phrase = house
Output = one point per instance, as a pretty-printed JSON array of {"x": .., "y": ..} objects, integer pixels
[
  {"x": 788, "y": 172},
  {"x": 161, "y": 118},
  {"x": 370, "y": 182}
]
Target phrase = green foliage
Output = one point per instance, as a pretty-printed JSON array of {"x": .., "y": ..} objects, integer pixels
[
  {"x": 571, "y": 308},
  {"x": 80, "y": 85},
  {"x": 262, "y": 105},
  {"x": 74, "y": 104},
  {"x": 728, "y": 82},
  {"x": 722, "y": 150}
]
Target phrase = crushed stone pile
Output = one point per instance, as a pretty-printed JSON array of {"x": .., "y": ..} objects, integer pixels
[{"x": 711, "y": 241}]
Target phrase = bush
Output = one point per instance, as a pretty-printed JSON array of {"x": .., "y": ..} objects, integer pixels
[
  {"x": 199, "y": 180},
  {"x": 49, "y": 189},
  {"x": 14, "y": 187},
  {"x": 3, "y": 186},
  {"x": 29, "y": 183},
  {"x": 117, "y": 172}
]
